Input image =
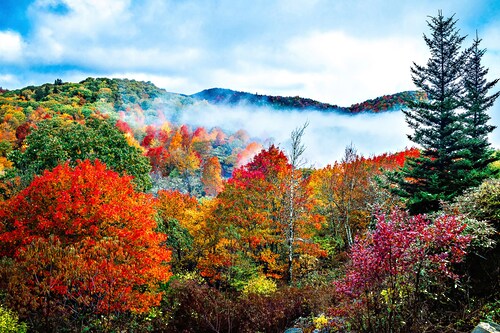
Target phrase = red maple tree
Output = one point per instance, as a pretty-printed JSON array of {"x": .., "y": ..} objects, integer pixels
[{"x": 81, "y": 239}]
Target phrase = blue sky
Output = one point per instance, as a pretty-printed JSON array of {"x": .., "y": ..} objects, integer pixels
[{"x": 334, "y": 51}]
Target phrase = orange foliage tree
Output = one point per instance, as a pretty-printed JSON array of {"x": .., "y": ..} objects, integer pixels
[
  {"x": 342, "y": 192},
  {"x": 173, "y": 150},
  {"x": 347, "y": 193},
  {"x": 252, "y": 222},
  {"x": 80, "y": 241},
  {"x": 182, "y": 219},
  {"x": 211, "y": 176}
]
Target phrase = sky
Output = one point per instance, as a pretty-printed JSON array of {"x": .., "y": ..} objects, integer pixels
[{"x": 335, "y": 51}]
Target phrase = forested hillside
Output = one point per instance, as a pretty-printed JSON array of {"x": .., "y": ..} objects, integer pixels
[
  {"x": 151, "y": 119},
  {"x": 82, "y": 118},
  {"x": 380, "y": 104}
]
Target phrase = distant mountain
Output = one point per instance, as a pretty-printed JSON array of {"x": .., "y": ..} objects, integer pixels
[
  {"x": 234, "y": 98},
  {"x": 231, "y": 97},
  {"x": 123, "y": 94}
]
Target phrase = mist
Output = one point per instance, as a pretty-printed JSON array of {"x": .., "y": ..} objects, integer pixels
[{"x": 325, "y": 138}]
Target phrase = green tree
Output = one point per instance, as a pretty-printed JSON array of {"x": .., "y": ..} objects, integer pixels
[
  {"x": 441, "y": 172},
  {"x": 476, "y": 103},
  {"x": 9, "y": 322},
  {"x": 58, "y": 140}
]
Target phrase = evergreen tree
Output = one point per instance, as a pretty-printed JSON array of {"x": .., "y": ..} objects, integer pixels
[
  {"x": 441, "y": 172},
  {"x": 475, "y": 118}
]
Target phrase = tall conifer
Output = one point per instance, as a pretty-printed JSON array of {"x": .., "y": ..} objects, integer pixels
[
  {"x": 475, "y": 117},
  {"x": 441, "y": 172}
]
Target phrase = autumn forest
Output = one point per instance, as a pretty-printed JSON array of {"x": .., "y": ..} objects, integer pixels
[{"x": 117, "y": 217}]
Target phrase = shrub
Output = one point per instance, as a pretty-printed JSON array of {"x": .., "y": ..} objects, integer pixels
[
  {"x": 480, "y": 208},
  {"x": 9, "y": 322},
  {"x": 398, "y": 271},
  {"x": 197, "y": 307},
  {"x": 260, "y": 285}
]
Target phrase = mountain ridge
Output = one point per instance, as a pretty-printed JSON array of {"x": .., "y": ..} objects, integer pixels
[
  {"x": 232, "y": 97},
  {"x": 127, "y": 90}
]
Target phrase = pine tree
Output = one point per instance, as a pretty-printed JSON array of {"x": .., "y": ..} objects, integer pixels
[
  {"x": 440, "y": 173},
  {"x": 476, "y": 103}
]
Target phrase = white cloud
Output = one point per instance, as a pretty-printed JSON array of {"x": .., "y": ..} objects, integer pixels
[
  {"x": 109, "y": 36},
  {"x": 11, "y": 47},
  {"x": 83, "y": 18},
  {"x": 350, "y": 69},
  {"x": 329, "y": 66},
  {"x": 325, "y": 138},
  {"x": 133, "y": 58},
  {"x": 87, "y": 24},
  {"x": 8, "y": 81}
]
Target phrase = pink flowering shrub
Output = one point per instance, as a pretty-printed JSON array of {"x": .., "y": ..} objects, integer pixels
[{"x": 396, "y": 271}]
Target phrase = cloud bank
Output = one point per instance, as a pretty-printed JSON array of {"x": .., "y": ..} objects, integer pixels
[{"x": 325, "y": 138}]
